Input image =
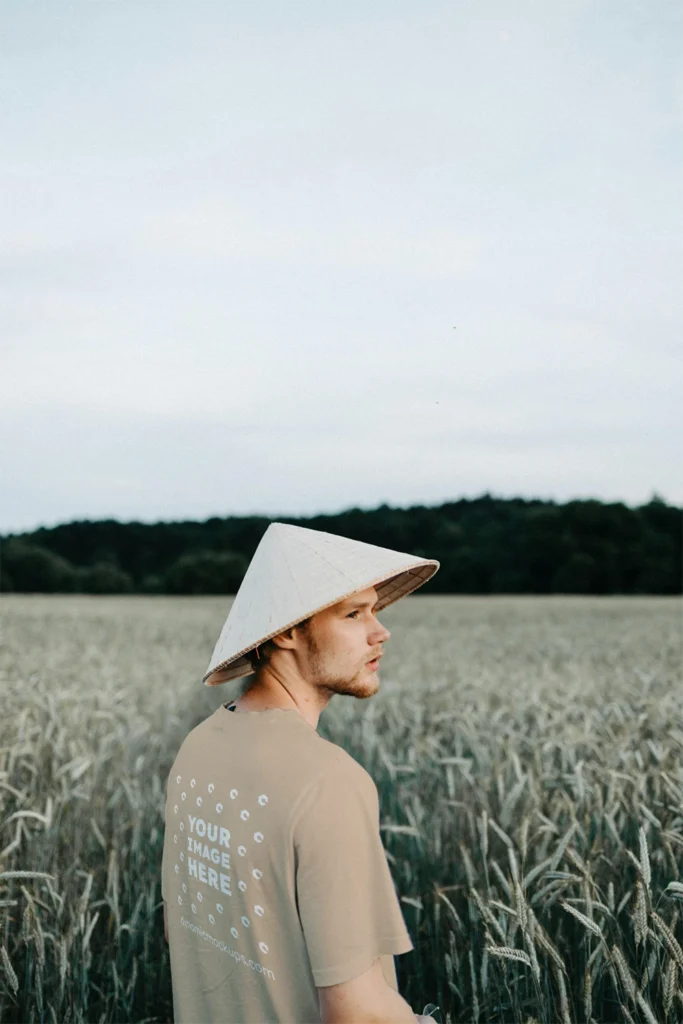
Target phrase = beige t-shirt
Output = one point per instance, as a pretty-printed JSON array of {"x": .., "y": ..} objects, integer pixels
[{"x": 273, "y": 871}]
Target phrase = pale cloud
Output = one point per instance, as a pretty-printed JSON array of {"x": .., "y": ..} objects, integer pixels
[
  {"x": 225, "y": 232},
  {"x": 240, "y": 236}
]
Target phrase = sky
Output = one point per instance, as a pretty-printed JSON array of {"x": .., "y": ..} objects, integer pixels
[{"x": 288, "y": 258}]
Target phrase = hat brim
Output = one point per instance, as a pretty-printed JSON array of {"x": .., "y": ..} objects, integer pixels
[{"x": 390, "y": 588}]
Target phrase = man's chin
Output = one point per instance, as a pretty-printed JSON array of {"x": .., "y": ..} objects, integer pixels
[
  {"x": 363, "y": 685},
  {"x": 368, "y": 685}
]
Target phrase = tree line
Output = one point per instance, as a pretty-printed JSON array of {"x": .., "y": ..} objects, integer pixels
[{"x": 485, "y": 545}]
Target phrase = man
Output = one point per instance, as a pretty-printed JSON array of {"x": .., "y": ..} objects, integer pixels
[{"x": 279, "y": 905}]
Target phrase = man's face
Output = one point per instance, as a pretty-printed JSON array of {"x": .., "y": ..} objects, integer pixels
[{"x": 339, "y": 643}]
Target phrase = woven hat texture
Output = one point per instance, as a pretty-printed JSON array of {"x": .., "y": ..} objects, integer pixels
[{"x": 297, "y": 572}]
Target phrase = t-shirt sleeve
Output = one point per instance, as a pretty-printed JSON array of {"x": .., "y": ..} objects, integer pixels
[{"x": 348, "y": 906}]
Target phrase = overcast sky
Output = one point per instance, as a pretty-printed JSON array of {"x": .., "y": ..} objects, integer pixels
[{"x": 291, "y": 257}]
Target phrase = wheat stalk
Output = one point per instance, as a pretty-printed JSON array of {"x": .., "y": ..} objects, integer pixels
[
  {"x": 475, "y": 998},
  {"x": 652, "y": 964},
  {"x": 587, "y": 994},
  {"x": 586, "y": 921},
  {"x": 25, "y": 874},
  {"x": 529, "y": 943},
  {"x": 520, "y": 906},
  {"x": 674, "y": 891},
  {"x": 639, "y": 915},
  {"x": 514, "y": 870},
  {"x": 484, "y": 836},
  {"x": 483, "y": 974},
  {"x": 644, "y": 858},
  {"x": 627, "y": 979},
  {"x": 9, "y": 970},
  {"x": 503, "y": 835},
  {"x": 501, "y": 877},
  {"x": 507, "y": 952},
  {"x": 63, "y": 964},
  {"x": 645, "y": 1007},
  {"x": 668, "y": 937},
  {"x": 610, "y": 896},
  {"x": 564, "y": 1005},
  {"x": 624, "y": 1009},
  {"x": 669, "y": 984},
  {"x": 524, "y": 838}
]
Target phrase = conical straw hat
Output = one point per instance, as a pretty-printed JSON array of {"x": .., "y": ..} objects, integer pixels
[{"x": 296, "y": 572}]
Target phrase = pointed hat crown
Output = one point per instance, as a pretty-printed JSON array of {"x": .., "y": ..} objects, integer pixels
[{"x": 296, "y": 572}]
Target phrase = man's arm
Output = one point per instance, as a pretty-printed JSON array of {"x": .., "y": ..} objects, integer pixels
[
  {"x": 365, "y": 998},
  {"x": 165, "y": 922}
]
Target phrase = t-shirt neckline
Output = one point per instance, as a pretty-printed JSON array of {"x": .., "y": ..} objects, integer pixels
[{"x": 284, "y": 711}]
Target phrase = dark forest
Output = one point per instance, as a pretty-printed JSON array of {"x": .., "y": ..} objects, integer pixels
[{"x": 485, "y": 545}]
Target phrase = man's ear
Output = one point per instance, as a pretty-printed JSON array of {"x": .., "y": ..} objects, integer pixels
[{"x": 285, "y": 639}]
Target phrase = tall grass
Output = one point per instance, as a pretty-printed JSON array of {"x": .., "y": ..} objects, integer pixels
[{"x": 528, "y": 755}]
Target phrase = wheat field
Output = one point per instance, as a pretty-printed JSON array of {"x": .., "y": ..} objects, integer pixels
[{"x": 528, "y": 757}]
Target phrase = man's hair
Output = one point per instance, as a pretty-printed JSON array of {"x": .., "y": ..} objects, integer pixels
[{"x": 268, "y": 648}]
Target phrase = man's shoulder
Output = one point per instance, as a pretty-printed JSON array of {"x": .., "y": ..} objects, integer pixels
[
  {"x": 338, "y": 762},
  {"x": 337, "y": 772}
]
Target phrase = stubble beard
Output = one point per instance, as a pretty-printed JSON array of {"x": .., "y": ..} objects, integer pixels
[{"x": 349, "y": 686}]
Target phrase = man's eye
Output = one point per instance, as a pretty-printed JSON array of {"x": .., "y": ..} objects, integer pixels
[{"x": 352, "y": 613}]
